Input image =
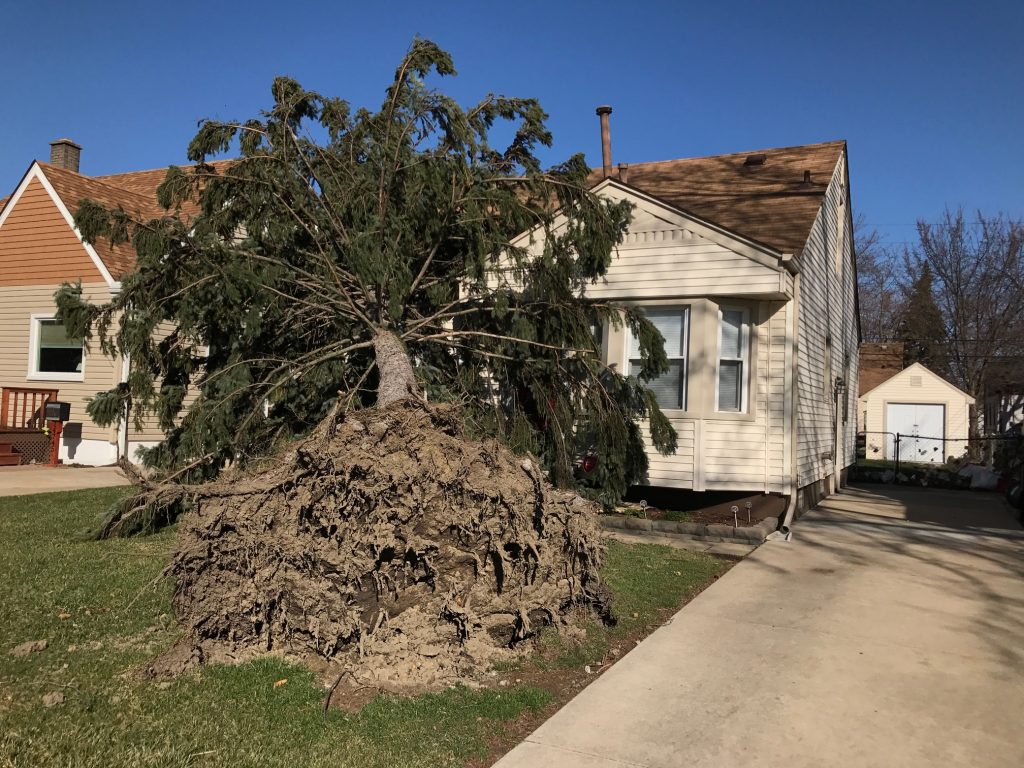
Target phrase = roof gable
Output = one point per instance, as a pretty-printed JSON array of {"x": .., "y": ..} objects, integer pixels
[
  {"x": 770, "y": 203},
  {"x": 134, "y": 192},
  {"x": 39, "y": 243},
  {"x": 73, "y": 188},
  {"x": 917, "y": 369},
  {"x": 653, "y": 213}
]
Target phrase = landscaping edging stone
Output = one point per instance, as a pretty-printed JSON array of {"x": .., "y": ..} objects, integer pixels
[{"x": 754, "y": 534}]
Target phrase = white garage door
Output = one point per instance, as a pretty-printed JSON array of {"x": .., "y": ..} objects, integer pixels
[{"x": 916, "y": 423}]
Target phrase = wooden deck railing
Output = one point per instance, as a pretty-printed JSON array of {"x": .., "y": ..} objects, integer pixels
[{"x": 23, "y": 408}]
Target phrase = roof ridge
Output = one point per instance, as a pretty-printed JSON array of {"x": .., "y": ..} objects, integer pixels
[
  {"x": 100, "y": 180},
  {"x": 740, "y": 154},
  {"x": 160, "y": 168}
]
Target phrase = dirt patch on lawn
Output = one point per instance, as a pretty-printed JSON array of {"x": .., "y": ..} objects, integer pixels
[{"x": 707, "y": 508}]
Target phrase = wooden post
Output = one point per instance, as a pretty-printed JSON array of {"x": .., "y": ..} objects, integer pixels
[{"x": 56, "y": 427}]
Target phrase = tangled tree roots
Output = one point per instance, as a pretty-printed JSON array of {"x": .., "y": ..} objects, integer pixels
[{"x": 388, "y": 542}]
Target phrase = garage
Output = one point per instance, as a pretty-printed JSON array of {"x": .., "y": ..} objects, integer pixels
[
  {"x": 931, "y": 416},
  {"x": 921, "y": 428}
]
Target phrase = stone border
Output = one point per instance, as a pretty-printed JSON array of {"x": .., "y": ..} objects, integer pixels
[{"x": 754, "y": 534}]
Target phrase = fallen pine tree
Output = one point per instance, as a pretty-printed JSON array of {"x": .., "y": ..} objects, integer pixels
[{"x": 322, "y": 293}]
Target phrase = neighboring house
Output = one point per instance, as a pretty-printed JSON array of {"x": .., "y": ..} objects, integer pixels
[
  {"x": 40, "y": 249},
  {"x": 879, "y": 362},
  {"x": 745, "y": 264},
  {"x": 930, "y": 415},
  {"x": 1003, "y": 407}
]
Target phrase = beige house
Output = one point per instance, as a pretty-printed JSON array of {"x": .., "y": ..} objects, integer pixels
[
  {"x": 40, "y": 249},
  {"x": 743, "y": 261},
  {"x": 745, "y": 264},
  {"x": 929, "y": 414}
]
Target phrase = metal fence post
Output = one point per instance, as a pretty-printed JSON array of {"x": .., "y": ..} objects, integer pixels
[{"x": 897, "y": 453}]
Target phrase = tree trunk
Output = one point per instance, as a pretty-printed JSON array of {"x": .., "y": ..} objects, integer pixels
[{"x": 397, "y": 381}]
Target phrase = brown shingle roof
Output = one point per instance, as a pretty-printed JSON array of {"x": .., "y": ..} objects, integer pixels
[
  {"x": 134, "y": 192},
  {"x": 769, "y": 203},
  {"x": 879, "y": 362}
]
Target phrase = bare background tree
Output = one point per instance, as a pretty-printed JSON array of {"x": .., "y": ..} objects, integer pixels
[
  {"x": 978, "y": 269},
  {"x": 878, "y": 278}
]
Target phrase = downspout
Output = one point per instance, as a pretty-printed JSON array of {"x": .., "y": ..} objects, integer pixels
[
  {"x": 122, "y": 438},
  {"x": 767, "y": 397},
  {"x": 787, "y": 519}
]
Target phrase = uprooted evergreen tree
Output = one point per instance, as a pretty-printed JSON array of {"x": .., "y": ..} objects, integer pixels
[
  {"x": 363, "y": 304},
  {"x": 356, "y": 258}
]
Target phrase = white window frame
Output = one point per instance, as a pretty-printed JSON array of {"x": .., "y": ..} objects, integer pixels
[
  {"x": 34, "y": 374},
  {"x": 744, "y": 360},
  {"x": 687, "y": 310}
]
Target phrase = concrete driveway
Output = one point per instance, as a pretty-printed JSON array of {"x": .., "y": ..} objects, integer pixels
[
  {"x": 20, "y": 481},
  {"x": 888, "y": 632}
]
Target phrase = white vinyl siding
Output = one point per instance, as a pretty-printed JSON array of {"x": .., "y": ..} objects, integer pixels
[
  {"x": 733, "y": 360},
  {"x": 18, "y": 305},
  {"x": 827, "y": 339},
  {"x": 669, "y": 387},
  {"x": 661, "y": 259}
]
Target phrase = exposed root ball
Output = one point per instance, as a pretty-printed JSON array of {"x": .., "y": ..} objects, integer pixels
[{"x": 388, "y": 542}]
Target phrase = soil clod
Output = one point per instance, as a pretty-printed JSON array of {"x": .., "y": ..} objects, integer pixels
[{"x": 387, "y": 543}]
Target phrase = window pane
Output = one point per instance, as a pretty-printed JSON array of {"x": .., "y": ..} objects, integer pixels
[
  {"x": 671, "y": 324},
  {"x": 730, "y": 385},
  {"x": 668, "y": 388},
  {"x": 58, "y": 353},
  {"x": 52, "y": 334},
  {"x": 60, "y": 360},
  {"x": 732, "y": 333}
]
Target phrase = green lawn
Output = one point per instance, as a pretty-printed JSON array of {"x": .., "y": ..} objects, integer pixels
[{"x": 105, "y": 611}]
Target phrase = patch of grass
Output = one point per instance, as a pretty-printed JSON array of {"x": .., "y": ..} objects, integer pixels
[
  {"x": 647, "y": 581},
  {"x": 105, "y": 612},
  {"x": 678, "y": 516},
  {"x": 675, "y": 515}
]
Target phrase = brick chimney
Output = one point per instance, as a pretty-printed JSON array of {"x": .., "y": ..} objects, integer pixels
[{"x": 64, "y": 153}]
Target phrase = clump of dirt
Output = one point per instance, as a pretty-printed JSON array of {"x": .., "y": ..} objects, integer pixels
[{"x": 390, "y": 546}]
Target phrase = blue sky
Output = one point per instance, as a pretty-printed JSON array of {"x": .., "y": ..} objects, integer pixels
[{"x": 929, "y": 95}]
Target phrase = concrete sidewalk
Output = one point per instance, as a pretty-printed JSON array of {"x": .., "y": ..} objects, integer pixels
[
  {"x": 889, "y": 632},
  {"x": 21, "y": 481}
]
